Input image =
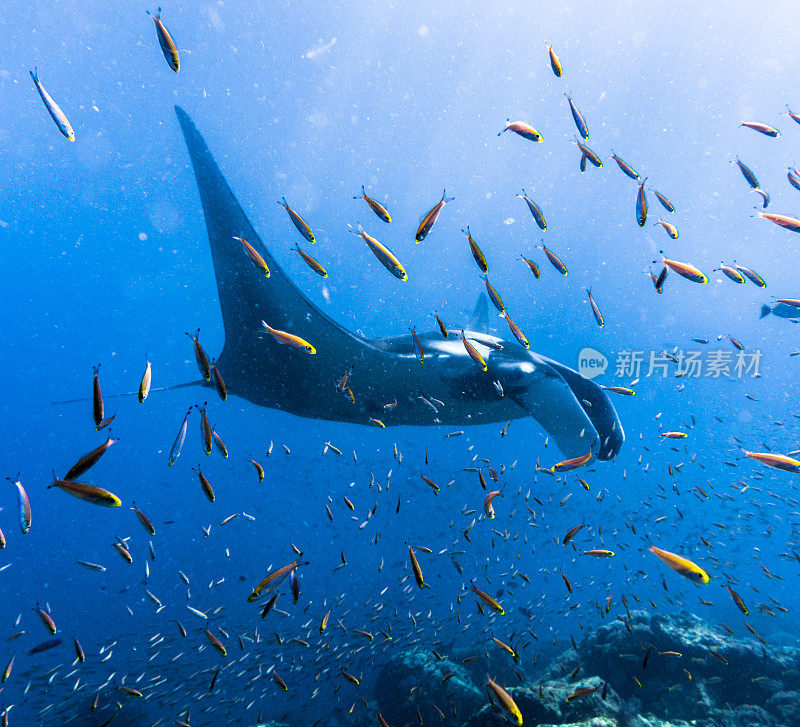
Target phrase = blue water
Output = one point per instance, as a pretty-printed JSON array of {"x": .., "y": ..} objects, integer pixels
[{"x": 106, "y": 259}]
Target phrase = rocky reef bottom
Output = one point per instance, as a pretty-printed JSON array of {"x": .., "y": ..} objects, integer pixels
[{"x": 650, "y": 670}]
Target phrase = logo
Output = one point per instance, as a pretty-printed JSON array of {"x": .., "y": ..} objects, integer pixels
[{"x": 591, "y": 363}]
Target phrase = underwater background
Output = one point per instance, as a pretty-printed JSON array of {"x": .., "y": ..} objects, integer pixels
[{"x": 106, "y": 260}]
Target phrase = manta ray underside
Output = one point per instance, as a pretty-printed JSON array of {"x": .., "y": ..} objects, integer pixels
[{"x": 449, "y": 388}]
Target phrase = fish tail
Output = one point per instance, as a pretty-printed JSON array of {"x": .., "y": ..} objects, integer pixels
[
  {"x": 765, "y": 311},
  {"x": 35, "y": 74}
]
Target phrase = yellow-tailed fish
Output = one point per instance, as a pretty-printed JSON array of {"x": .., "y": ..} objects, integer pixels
[
  {"x": 555, "y": 261},
  {"x": 298, "y": 221},
  {"x": 386, "y": 257},
  {"x": 147, "y": 380},
  {"x": 53, "y": 109},
  {"x": 681, "y": 565},
  {"x": 555, "y": 63},
  {"x": 312, "y": 263},
  {"x": 504, "y": 698},
  {"x": 289, "y": 339},
  {"x": 430, "y": 218},
  {"x": 477, "y": 253},
  {"x": 535, "y": 210},
  {"x": 375, "y": 206},
  {"x": 473, "y": 352},
  {"x": 523, "y": 128},
  {"x": 88, "y": 493},
  {"x": 168, "y": 47},
  {"x": 258, "y": 262}
]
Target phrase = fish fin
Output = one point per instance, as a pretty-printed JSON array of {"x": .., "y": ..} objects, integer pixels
[
  {"x": 479, "y": 322},
  {"x": 246, "y": 298},
  {"x": 765, "y": 310}
]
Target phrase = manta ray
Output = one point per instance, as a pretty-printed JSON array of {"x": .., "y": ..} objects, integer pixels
[{"x": 573, "y": 410}]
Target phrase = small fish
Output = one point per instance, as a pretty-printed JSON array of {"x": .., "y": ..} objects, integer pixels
[
  {"x": 598, "y": 316},
  {"x": 415, "y": 567},
  {"x": 681, "y": 565},
  {"x": 555, "y": 261},
  {"x": 216, "y": 643},
  {"x": 669, "y": 228},
  {"x": 555, "y": 64},
  {"x": 298, "y": 221},
  {"x": 641, "y": 205},
  {"x": 376, "y": 207},
  {"x": 259, "y": 470},
  {"x": 765, "y": 196},
  {"x": 205, "y": 431},
  {"x": 88, "y": 460},
  {"x": 200, "y": 357},
  {"x": 732, "y": 273},
  {"x": 765, "y": 129},
  {"x": 516, "y": 330},
  {"x": 123, "y": 552},
  {"x": 599, "y": 553},
  {"x": 477, "y": 253},
  {"x": 24, "y": 506},
  {"x": 627, "y": 169},
  {"x": 577, "y": 117},
  {"x": 535, "y": 211},
  {"x": 418, "y": 352},
  {"x": 572, "y": 532},
  {"x": 497, "y": 301},
  {"x": 442, "y": 327},
  {"x": 98, "y": 409},
  {"x": 624, "y": 390},
  {"x": 502, "y": 696},
  {"x": 747, "y": 173},
  {"x": 274, "y": 578},
  {"x": 53, "y": 109},
  {"x": 168, "y": 47},
  {"x": 258, "y": 262},
  {"x": 205, "y": 485},
  {"x": 47, "y": 620},
  {"x": 685, "y": 270},
  {"x": 219, "y": 383},
  {"x": 523, "y": 128},
  {"x": 788, "y": 223},
  {"x": 289, "y": 339},
  {"x": 737, "y": 600},
  {"x": 488, "y": 600},
  {"x": 532, "y": 265},
  {"x": 473, "y": 352},
  {"x": 430, "y": 218},
  {"x": 771, "y": 459},
  {"x": 144, "y": 520},
  {"x": 583, "y": 692},
  {"x": 385, "y": 256},
  {"x": 571, "y": 464},
  {"x": 144, "y": 385},
  {"x": 313, "y": 263},
  {"x": 488, "y": 507},
  {"x": 88, "y": 493},
  {"x": 177, "y": 445},
  {"x": 665, "y": 203},
  {"x": 794, "y": 178},
  {"x": 80, "y": 655},
  {"x": 590, "y": 155}
]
